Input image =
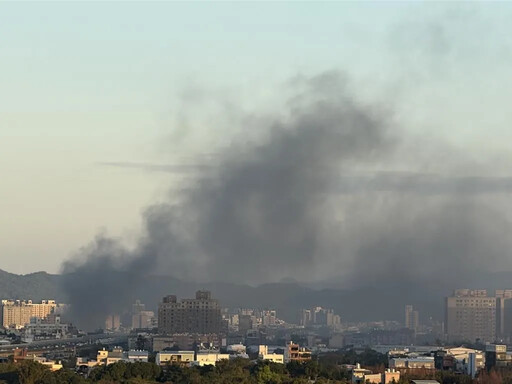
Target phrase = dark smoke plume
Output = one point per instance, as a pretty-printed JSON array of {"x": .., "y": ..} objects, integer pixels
[{"x": 280, "y": 207}]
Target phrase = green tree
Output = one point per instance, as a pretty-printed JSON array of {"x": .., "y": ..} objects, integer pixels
[
  {"x": 32, "y": 372},
  {"x": 265, "y": 375}
]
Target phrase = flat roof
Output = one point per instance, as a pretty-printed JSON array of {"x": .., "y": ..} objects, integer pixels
[{"x": 425, "y": 382}]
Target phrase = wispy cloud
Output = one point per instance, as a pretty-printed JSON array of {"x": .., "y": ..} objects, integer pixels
[
  {"x": 425, "y": 183},
  {"x": 168, "y": 168},
  {"x": 354, "y": 182}
]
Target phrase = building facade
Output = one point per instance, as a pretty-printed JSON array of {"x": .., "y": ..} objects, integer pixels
[
  {"x": 420, "y": 362},
  {"x": 504, "y": 314},
  {"x": 17, "y": 313},
  {"x": 319, "y": 316},
  {"x": 412, "y": 318},
  {"x": 201, "y": 315},
  {"x": 264, "y": 355},
  {"x": 293, "y": 352},
  {"x": 470, "y": 316},
  {"x": 50, "y": 327},
  {"x": 184, "y": 341},
  {"x": 209, "y": 358},
  {"x": 143, "y": 320},
  {"x": 113, "y": 322},
  {"x": 496, "y": 356},
  {"x": 182, "y": 358}
]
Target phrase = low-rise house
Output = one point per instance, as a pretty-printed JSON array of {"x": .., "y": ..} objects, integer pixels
[
  {"x": 48, "y": 328},
  {"x": 390, "y": 376},
  {"x": 358, "y": 374},
  {"x": 273, "y": 357},
  {"x": 423, "y": 362},
  {"x": 425, "y": 382},
  {"x": 104, "y": 357},
  {"x": 134, "y": 356},
  {"x": 184, "y": 341},
  {"x": 21, "y": 354},
  {"x": 362, "y": 375},
  {"x": 293, "y": 352},
  {"x": 460, "y": 359},
  {"x": 209, "y": 358},
  {"x": 237, "y": 349},
  {"x": 83, "y": 363},
  {"x": 175, "y": 357},
  {"x": 52, "y": 364},
  {"x": 372, "y": 378}
]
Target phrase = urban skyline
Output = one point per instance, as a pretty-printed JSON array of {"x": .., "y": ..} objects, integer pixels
[
  {"x": 201, "y": 332},
  {"x": 321, "y": 178},
  {"x": 255, "y": 192}
]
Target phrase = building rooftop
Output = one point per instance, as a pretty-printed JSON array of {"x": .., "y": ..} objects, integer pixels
[
  {"x": 415, "y": 358},
  {"x": 425, "y": 382}
]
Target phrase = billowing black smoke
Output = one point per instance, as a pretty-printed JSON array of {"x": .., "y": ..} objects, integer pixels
[{"x": 306, "y": 200}]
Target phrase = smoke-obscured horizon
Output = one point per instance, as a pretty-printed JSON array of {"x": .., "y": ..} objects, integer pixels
[{"x": 315, "y": 195}]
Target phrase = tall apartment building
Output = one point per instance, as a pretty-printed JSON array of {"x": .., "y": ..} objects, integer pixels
[
  {"x": 412, "y": 318},
  {"x": 200, "y": 315},
  {"x": 142, "y": 319},
  {"x": 305, "y": 317},
  {"x": 113, "y": 322},
  {"x": 471, "y": 315},
  {"x": 319, "y": 316},
  {"x": 268, "y": 317},
  {"x": 504, "y": 314},
  {"x": 246, "y": 323},
  {"x": 138, "y": 307},
  {"x": 17, "y": 313}
]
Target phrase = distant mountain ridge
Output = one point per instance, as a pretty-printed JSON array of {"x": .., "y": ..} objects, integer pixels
[
  {"x": 34, "y": 286},
  {"x": 375, "y": 301}
]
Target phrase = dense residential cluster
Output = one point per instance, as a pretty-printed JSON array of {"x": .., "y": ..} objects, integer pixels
[
  {"x": 31, "y": 321},
  {"x": 183, "y": 337}
]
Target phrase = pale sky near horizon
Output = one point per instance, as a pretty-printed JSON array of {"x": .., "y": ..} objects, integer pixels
[{"x": 84, "y": 83}]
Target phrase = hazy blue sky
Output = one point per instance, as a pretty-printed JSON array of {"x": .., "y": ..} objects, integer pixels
[{"x": 86, "y": 83}]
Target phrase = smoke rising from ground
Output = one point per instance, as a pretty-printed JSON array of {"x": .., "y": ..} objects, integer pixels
[{"x": 284, "y": 206}]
